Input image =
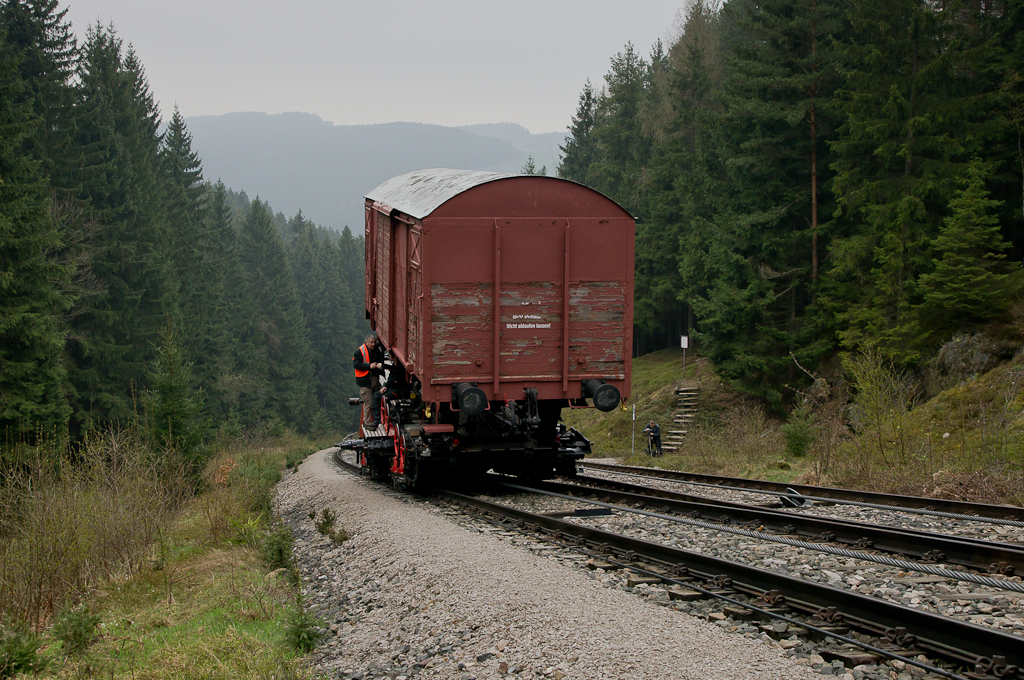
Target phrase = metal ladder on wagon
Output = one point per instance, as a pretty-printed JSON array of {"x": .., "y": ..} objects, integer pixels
[{"x": 682, "y": 420}]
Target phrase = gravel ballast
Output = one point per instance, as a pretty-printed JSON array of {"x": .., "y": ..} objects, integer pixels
[{"x": 414, "y": 594}]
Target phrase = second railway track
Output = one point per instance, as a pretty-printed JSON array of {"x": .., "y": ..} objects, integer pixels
[{"x": 988, "y": 556}]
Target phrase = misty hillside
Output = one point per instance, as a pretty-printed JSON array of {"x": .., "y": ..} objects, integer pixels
[
  {"x": 297, "y": 160},
  {"x": 543, "y": 147}
]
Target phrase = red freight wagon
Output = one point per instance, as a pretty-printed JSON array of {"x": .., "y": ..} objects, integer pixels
[{"x": 501, "y": 299}]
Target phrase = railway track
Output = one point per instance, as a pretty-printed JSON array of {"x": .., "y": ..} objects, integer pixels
[
  {"x": 987, "y": 556},
  {"x": 1001, "y": 514},
  {"x": 878, "y": 627}
]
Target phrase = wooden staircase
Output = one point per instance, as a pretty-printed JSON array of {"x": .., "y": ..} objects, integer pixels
[{"x": 682, "y": 420}]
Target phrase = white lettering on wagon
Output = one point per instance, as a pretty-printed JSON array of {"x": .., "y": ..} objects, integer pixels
[{"x": 514, "y": 326}]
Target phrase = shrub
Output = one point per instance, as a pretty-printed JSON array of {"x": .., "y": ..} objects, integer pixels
[
  {"x": 325, "y": 525},
  {"x": 246, "y": 530},
  {"x": 19, "y": 651},
  {"x": 67, "y": 531},
  {"x": 303, "y": 630},
  {"x": 76, "y": 628},
  {"x": 277, "y": 547},
  {"x": 295, "y": 456},
  {"x": 799, "y": 431},
  {"x": 255, "y": 475}
]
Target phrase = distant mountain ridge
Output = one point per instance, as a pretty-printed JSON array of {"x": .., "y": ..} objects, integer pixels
[{"x": 299, "y": 161}]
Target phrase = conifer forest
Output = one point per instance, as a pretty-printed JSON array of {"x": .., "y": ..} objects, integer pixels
[
  {"x": 134, "y": 289},
  {"x": 814, "y": 177},
  {"x": 809, "y": 176}
]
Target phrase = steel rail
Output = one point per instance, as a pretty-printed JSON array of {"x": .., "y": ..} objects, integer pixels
[
  {"x": 939, "y": 507},
  {"x": 963, "y": 642},
  {"x": 717, "y": 593},
  {"x": 818, "y": 547},
  {"x": 971, "y": 552}
]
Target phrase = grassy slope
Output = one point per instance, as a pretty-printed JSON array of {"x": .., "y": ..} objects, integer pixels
[
  {"x": 967, "y": 442},
  {"x": 206, "y": 603},
  {"x": 656, "y": 376}
]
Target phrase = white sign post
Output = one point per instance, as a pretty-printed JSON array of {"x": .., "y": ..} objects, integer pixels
[
  {"x": 684, "y": 341},
  {"x": 632, "y": 445}
]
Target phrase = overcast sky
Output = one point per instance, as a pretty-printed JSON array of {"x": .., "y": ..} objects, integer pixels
[{"x": 448, "y": 62}]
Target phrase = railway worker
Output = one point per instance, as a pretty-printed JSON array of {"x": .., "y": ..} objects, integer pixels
[
  {"x": 368, "y": 362},
  {"x": 654, "y": 438}
]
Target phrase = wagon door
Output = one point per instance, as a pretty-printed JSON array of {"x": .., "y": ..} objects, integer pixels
[
  {"x": 532, "y": 301},
  {"x": 399, "y": 287},
  {"x": 370, "y": 240},
  {"x": 415, "y": 300},
  {"x": 382, "y": 292}
]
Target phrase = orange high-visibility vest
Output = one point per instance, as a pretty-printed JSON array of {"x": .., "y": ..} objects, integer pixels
[{"x": 366, "y": 359}]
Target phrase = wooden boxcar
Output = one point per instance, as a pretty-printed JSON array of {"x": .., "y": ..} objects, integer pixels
[{"x": 489, "y": 290}]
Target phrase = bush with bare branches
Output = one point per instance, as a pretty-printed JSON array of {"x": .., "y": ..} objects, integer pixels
[{"x": 65, "y": 528}]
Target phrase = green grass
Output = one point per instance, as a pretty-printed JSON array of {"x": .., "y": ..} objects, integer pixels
[
  {"x": 730, "y": 435},
  {"x": 655, "y": 379},
  {"x": 214, "y": 615},
  {"x": 206, "y": 603},
  {"x": 965, "y": 443}
]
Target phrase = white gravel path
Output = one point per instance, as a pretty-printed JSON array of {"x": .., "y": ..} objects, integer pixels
[{"x": 412, "y": 594}]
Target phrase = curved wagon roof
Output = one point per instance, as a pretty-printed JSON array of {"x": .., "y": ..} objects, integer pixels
[{"x": 420, "y": 192}]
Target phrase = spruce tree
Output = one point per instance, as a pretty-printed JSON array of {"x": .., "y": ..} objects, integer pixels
[
  {"x": 45, "y": 50},
  {"x": 754, "y": 259},
  {"x": 530, "y": 168},
  {"x": 969, "y": 282},
  {"x": 117, "y": 176},
  {"x": 915, "y": 112},
  {"x": 579, "y": 150},
  {"x": 174, "y": 405},
  {"x": 339, "y": 336},
  {"x": 279, "y": 317},
  {"x": 622, "y": 146},
  {"x": 687, "y": 190},
  {"x": 192, "y": 248},
  {"x": 32, "y": 375},
  {"x": 239, "y": 389},
  {"x": 327, "y": 310}
]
